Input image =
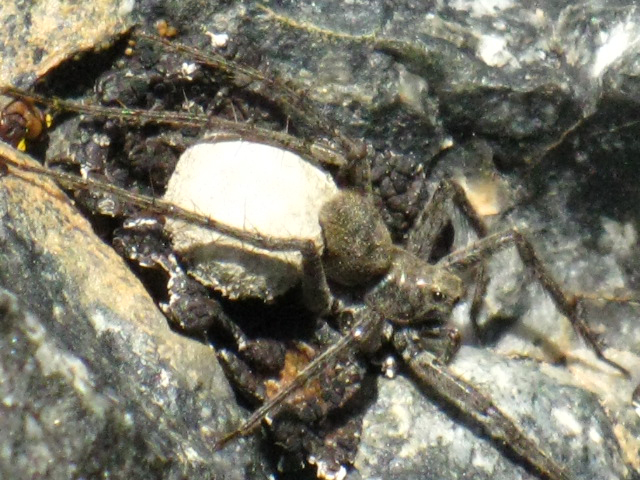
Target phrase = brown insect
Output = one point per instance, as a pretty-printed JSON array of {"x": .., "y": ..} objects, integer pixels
[{"x": 21, "y": 120}]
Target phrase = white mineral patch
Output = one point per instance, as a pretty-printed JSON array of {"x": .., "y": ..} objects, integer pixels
[
  {"x": 492, "y": 49},
  {"x": 614, "y": 44},
  {"x": 252, "y": 186},
  {"x": 482, "y": 8}
]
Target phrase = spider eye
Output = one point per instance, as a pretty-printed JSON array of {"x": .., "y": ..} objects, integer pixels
[{"x": 438, "y": 296}]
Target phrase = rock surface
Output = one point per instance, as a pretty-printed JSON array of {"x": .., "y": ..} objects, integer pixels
[
  {"x": 549, "y": 93},
  {"x": 93, "y": 381},
  {"x": 38, "y": 36}
]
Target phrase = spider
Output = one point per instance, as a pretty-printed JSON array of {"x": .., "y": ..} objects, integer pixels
[{"x": 377, "y": 303}]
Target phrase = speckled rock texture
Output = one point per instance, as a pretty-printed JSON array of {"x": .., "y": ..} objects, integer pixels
[
  {"x": 537, "y": 104},
  {"x": 93, "y": 380}
]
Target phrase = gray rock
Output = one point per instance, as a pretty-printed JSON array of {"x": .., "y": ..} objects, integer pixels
[
  {"x": 557, "y": 114},
  {"x": 409, "y": 436},
  {"x": 33, "y": 43},
  {"x": 94, "y": 382}
]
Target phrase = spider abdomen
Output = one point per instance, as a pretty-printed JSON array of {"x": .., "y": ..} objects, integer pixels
[{"x": 358, "y": 246}]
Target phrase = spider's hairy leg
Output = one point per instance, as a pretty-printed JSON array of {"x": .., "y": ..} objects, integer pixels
[
  {"x": 567, "y": 304},
  {"x": 362, "y": 332},
  {"x": 432, "y": 374},
  {"x": 443, "y": 342},
  {"x": 316, "y": 152},
  {"x": 433, "y": 218},
  {"x": 432, "y": 221},
  {"x": 281, "y": 92}
]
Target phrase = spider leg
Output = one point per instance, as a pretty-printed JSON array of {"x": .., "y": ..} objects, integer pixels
[
  {"x": 361, "y": 332},
  {"x": 283, "y": 93},
  {"x": 316, "y": 152},
  {"x": 241, "y": 376},
  {"x": 567, "y": 304},
  {"x": 292, "y": 431},
  {"x": 432, "y": 221},
  {"x": 432, "y": 374},
  {"x": 442, "y": 342},
  {"x": 481, "y": 283}
]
